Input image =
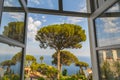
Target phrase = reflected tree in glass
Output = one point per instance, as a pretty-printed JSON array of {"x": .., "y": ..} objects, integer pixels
[{"x": 14, "y": 30}]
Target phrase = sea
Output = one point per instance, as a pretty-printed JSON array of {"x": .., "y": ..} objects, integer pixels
[{"x": 72, "y": 69}]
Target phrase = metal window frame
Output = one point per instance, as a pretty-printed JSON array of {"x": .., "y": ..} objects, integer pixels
[
  {"x": 93, "y": 13},
  {"x": 12, "y": 42},
  {"x": 92, "y": 36}
]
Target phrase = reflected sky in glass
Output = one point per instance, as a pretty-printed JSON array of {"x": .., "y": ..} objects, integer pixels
[
  {"x": 74, "y": 5},
  {"x": 115, "y": 8},
  {"x": 108, "y": 31},
  {"x": 47, "y": 4},
  {"x": 12, "y": 3},
  {"x": 6, "y": 53},
  {"x": 108, "y": 28}
]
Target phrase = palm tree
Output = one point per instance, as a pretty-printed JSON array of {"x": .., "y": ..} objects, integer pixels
[
  {"x": 81, "y": 65},
  {"x": 41, "y": 58}
]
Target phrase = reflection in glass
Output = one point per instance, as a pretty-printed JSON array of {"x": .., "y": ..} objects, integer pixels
[
  {"x": 115, "y": 8},
  {"x": 109, "y": 67},
  {"x": 12, "y": 26},
  {"x": 12, "y": 3},
  {"x": 47, "y": 4},
  {"x": 10, "y": 62},
  {"x": 74, "y": 5},
  {"x": 107, "y": 31}
]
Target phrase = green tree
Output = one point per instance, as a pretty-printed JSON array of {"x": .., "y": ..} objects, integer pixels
[
  {"x": 17, "y": 57},
  {"x": 82, "y": 65},
  {"x": 7, "y": 63},
  {"x": 66, "y": 58},
  {"x": 59, "y": 37},
  {"x": 106, "y": 72},
  {"x": 116, "y": 66},
  {"x": 14, "y": 30},
  {"x": 41, "y": 58},
  {"x": 30, "y": 59}
]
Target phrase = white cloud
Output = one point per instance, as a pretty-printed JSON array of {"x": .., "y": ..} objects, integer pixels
[
  {"x": 110, "y": 26},
  {"x": 43, "y": 17},
  {"x": 35, "y": 1},
  {"x": 7, "y": 3},
  {"x": 50, "y": 3},
  {"x": 75, "y": 19},
  {"x": 32, "y": 28},
  {"x": 109, "y": 41},
  {"x": 17, "y": 16},
  {"x": 83, "y": 9},
  {"x": 115, "y": 8},
  {"x": 44, "y": 20}
]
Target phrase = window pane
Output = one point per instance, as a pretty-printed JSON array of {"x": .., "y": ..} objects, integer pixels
[
  {"x": 38, "y": 21},
  {"x": 74, "y": 5},
  {"x": 10, "y": 62},
  {"x": 47, "y": 4},
  {"x": 108, "y": 31},
  {"x": 12, "y": 25},
  {"x": 109, "y": 67},
  {"x": 108, "y": 27},
  {"x": 115, "y": 8},
  {"x": 12, "y": 3}
]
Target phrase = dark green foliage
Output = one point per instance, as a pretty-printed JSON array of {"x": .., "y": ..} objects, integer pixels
[
  {"x": 14, "y": 30},
  {"x": 64, "y": 72},
  {"x": 60, "y": 36},
  {"x": 66, "y": 58},
  {"x": 41, "y": 78}
]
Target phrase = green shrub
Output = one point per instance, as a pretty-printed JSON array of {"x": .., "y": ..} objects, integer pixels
[{"x": 41, "y": 78}]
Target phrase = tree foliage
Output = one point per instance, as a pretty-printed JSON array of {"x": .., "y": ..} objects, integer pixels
[
  {"x": 30, "y": 58},
  {"x": 17, "y": 57},
  {"x": 41, "y": 58},
  {"x": 82, "y": 65},
  {"x": 7, "y": 63},
  {"x": 66, "y": 58},
  {"x": 60, "y": 36},
  {"x": 14, "y": 30}
]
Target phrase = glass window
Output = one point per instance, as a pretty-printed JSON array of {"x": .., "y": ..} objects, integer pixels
[
  {"x": 107, "y": 31},
  {"x": 47, "y": 4},
  {"x": 108, "y": 28},
  {"x": 74, "y": 5},
  {"x": 12, "y": 3},
  {"x": 12, "y": 25},
  {"x": 115, "y": 8},
  {"x": 38, "y": 21},
  {"x": 10, "y": 62},
  {"x": 109, "y": 68}
]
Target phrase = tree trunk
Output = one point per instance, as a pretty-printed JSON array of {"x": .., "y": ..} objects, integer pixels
[
  {"x": 81, "y": 71},
  {"x": 60, "y": 67},
  {"x": 58, "y": 64}
]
